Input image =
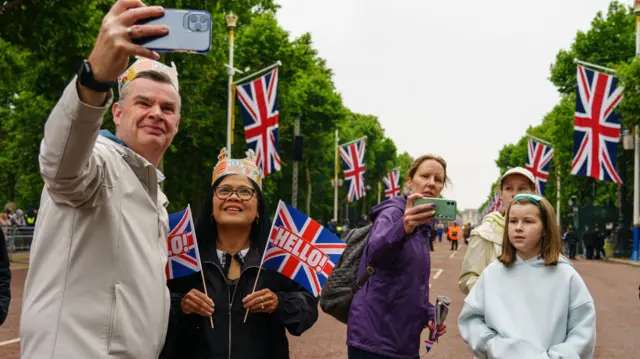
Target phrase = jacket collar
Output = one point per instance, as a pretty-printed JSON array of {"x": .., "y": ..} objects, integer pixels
[
  {"x": 108, "y": 135},
  {"x": 252, "y": 259}
]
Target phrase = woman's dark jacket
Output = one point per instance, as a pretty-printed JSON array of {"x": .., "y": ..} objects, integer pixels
[{"x": 263, "y": 336}]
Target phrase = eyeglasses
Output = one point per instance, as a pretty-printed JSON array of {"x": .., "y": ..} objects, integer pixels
[{"x": 244, "y": 193}]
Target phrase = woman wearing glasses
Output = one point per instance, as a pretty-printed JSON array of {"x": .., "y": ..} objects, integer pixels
[{"x": 232, "y": 233}]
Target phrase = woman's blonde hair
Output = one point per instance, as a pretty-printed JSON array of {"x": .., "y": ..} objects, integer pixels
[
  {"x": 550, "y": 242},
  {"x": 414, "y": 166}
]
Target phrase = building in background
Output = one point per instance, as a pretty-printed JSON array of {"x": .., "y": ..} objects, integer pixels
[{"x": 470, "y": 216}]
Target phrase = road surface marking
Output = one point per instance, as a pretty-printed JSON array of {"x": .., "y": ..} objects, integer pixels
[
  {"x": 438, "y": 273},
  {"x": 10, "y": 342},
  {"x": 452, "y": 254}
]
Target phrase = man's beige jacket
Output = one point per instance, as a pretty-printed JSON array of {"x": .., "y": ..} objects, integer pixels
[{"x": 96, "y": 286}]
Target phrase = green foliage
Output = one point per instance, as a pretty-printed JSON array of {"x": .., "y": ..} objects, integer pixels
[
  {"x": 39, "y": 55},
  {"x": 609, "y": 42}
]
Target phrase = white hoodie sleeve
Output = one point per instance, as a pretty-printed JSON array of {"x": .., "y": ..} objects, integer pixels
[
  {"x": 581, "y": 330},
  {"x": 471, "y": 322}
]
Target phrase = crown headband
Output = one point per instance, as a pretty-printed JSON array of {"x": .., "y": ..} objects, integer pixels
[
  {"x": 141, "y": 65},
  {"x": 246, "y": 167}
]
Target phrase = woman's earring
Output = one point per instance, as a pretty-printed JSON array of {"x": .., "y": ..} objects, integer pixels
[{"x": 257, "y": 220}]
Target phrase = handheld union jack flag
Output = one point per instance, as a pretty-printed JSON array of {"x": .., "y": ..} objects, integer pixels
[
  {"x": 259, "y": 99},
  {"x": 301, "y": 249},
  {"x": 596, "y": 127},
  {"x": 392, "y": 183},
  {"x": 433, "y": 337},
  {"x": 184, "y": 258},
  {"x": 538, "y": 160},
  {"x": 353, "y": 164}
]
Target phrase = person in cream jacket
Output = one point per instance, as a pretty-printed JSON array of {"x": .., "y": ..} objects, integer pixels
[{"x": 485, "y": 243}]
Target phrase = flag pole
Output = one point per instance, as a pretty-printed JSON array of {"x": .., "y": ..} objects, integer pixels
[
  {"x": 354, "y": 141},
  {"x": 259, "y": 72},
  {"x": 204, "y": 285},
  {"x": 335, "y": 182},
  {"x": 588, "y": 64},
  {"x": 255, "y": 284},
  {"x": 231, "y": 25},
  {"x": 540, "y": 140},
  {"x": 379, "y": 190}
]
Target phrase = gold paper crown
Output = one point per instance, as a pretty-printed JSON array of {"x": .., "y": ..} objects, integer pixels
[
  {"x": 143, "y": 64},
  {"x": 246, "y": 167}
]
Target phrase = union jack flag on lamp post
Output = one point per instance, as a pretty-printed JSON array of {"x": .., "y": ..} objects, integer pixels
[
  {"x": 539, "y": 158},
  {"x": 352, "y": 155},
  {"x": 596, "y": 125},
  {"x": 391, "y": 182},
  {"x": 259, "y": 100}
]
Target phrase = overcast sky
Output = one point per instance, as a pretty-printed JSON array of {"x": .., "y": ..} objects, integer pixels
[{"x": 456, "y": 78}]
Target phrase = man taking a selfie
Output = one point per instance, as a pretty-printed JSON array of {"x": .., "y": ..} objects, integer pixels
[{"x": 96, "y": 286}]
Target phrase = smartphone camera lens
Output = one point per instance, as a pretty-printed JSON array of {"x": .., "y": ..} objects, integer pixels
[
  {"x": 193, "y": 18},
  {"x": 198, "y": 27},
  {"x": 203, "y": 19}
]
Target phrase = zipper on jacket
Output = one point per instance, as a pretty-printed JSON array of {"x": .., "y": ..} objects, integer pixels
[
  {"x": 230, "y": 296},
  {"x": 231, "y": 303}
]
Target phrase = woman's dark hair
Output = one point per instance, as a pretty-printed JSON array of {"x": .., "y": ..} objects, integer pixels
[{"x": 207, "y": 228}]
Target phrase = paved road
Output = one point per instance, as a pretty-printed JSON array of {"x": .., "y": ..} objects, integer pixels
[{"x": 613, "y": 286}]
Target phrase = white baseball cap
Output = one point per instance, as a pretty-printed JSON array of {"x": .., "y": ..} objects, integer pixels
[{"x": 520, "y": 171}]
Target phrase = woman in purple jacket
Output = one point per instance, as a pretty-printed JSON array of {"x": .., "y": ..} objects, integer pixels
[{"x": 390, "y": 311}]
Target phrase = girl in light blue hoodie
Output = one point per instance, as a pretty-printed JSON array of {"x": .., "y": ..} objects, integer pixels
[{"x": 530, "y": 303}]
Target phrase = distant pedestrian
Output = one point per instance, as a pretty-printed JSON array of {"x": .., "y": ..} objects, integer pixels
[
  {"x": 572, "y": 241},
  {"x": 590, "y": 239},
  {"x": 454, "y": 235}
]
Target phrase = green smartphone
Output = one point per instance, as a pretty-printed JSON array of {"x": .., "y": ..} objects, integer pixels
[{"x": 445, "y": 208}]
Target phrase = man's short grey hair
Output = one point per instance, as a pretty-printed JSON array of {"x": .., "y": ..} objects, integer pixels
[{"x": 151, "y": 75}]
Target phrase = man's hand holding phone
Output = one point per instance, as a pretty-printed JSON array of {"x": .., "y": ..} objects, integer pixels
[
  {"x": 113, "y": 48},
  {"x": 110, "y": 55},
  {"x": 416, "y": 215}
]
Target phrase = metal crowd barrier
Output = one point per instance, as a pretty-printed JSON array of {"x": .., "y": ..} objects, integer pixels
[{"x": 19, "y": 243}]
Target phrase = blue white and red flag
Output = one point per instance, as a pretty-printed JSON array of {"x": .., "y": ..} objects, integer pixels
[
  {"x": 301, "y": 249},
  {"x": 184, "y": 257}
]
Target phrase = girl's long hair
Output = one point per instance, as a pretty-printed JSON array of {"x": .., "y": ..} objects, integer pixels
[
  {"x": 550, "y": 245},
  {"x": 207, "y": 228}
]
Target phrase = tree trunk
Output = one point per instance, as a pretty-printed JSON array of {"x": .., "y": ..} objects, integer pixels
[
  {"x": 308, "y": 172},
  {"x": 11, "y": 187}
]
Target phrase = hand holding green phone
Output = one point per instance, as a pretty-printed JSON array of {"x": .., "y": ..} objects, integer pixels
[{"x": 446, "y": 209}]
